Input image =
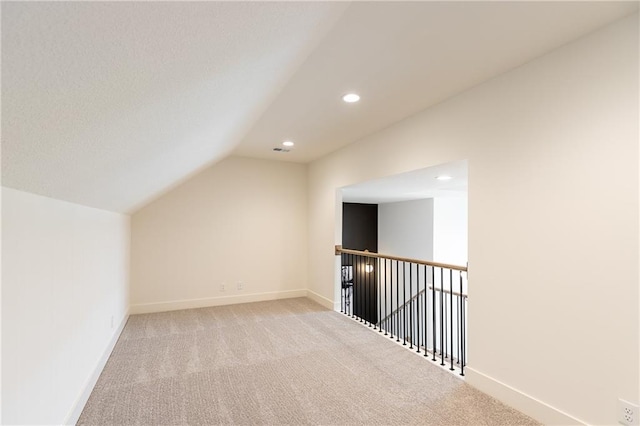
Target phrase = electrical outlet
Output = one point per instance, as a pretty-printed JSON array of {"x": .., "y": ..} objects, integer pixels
[
  {"x": 222, "y": 287},
  {"x": 628, "y": 413},
  {"x": 240, "y": 285}
]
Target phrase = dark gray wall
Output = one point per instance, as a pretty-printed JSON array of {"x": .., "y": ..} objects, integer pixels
[
  {"x": 360, "y": 232},
  {"x": 360, "y": 226}
]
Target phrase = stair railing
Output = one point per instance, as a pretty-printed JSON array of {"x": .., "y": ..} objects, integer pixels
[{"x": 420, "y": 303}]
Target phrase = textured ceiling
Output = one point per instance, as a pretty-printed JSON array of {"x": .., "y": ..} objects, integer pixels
[{"x": 111, "y": 104}]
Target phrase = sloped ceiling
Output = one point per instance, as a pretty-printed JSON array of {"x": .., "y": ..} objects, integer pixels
[
  {"x": 108, "y": 104},
  {"x": 111, "y": 104},
  {"x": 403, "y": 58}
]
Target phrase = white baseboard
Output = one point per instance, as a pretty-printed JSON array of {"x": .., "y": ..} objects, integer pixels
[
  {"x": 78, "y": 406},
  {"x": 527, "y": 404},
  {"x": 175, "y": 305},
  {"x": 327, "y": 303}
]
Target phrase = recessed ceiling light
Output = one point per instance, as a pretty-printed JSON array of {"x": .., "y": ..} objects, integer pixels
[
  {"x": 351, "y": 98},
  {"x": 444, "y": 177},
  {"x": 288, "y": 143}
]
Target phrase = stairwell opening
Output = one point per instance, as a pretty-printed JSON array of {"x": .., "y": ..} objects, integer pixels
[{"x": 415, "y": 215}]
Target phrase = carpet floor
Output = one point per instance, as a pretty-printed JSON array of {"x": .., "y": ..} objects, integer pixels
[{"x": 274, "y": 363}]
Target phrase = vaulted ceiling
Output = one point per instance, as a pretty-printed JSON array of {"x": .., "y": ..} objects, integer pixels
[{"x": 111, "y": 104}]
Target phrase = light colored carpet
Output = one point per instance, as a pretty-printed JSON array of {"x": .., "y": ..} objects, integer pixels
[{"x": 273, "y": 363}]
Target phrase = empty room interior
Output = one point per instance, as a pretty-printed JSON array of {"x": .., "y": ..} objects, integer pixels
[{"x": 320, "y": 213}]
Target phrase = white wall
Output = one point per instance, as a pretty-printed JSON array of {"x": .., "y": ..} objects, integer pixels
[
  {"x": 553, "y": 222},
  {"x": 406, "y": 229},
  {"x": 450, "y": 234},
  {"x": 241, "y": 220},
  {"x": 64, "y": 277}
]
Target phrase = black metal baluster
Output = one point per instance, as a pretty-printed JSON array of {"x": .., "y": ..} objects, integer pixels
[
  {"x": 360, "y": 290},
  {"x": 352, "y": 296},
  {"x": 401, "y": 302},
  {"x": 344, "y": 278},
  {"x": 368, "y": 266},
  {"x": 418, "y": 307},
  {"x": 445, "y": 322},
  {"x": 398, "y": 311},
  {"x": 463, "y": 340},
  {"x": 363, "y": 290},
  {"x": 356, "y": 293},
  {"x": 372, "y": 290},
  {"x": 362, "y": 298},
  {"x": 353, "y": 285},
  {"x": 410, "y": 306},
  {"x": 367, "y": 272},
  {"x": 397, "y": 301},
  {"x": 404, "y": 304},
  {"x": 386, "y": 296},
  {"x": 426, "y": 310},
  {"x": 391, "y": 286},
  {"x": 433, "y": 308},
  {"x": 441, "y": 316},
  {"x": 374, "y": 293},
  {"x": 365, "y": 300},
  {"x": 342, "y": 282},
  {"x": 378, "y": 269},
  {"x": 347, "y": 286},
  {"x": 391, "y": 298},
  {"x": 459, "y": 317},
  {"x": 348, "y": 293},
  {"x": 451, "y": 314},
  {"x": 407, "y": 304}
]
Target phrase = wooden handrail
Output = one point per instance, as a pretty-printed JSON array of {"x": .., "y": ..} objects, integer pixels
[{"x": 340, "y": 250}]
